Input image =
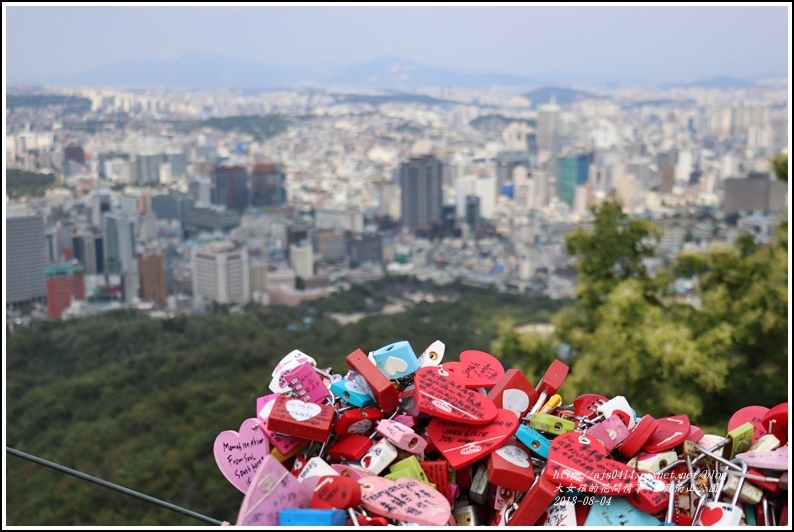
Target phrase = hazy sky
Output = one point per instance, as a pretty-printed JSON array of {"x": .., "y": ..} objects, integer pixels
[{"x": 640, "y": 42}]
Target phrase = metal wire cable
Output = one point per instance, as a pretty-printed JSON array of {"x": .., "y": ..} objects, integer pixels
[{"x": 110, "y": 485}]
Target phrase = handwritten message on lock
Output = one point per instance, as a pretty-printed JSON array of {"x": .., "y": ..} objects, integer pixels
[
  {"x": 476, "y": 369},
  {"x": 441, "y": 395},
  {"x": 239, "y": 454}
]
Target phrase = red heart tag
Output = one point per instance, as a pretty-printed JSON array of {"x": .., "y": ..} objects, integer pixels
[
  {"x": 336, "y": 492},
  {"x": 750, "y": 414},
  {"x": 581, "y": 462},
  {"x": 463, "y": 444},
  {"x": 405, "y": 500},
  {"x": 476, "y": 369},
  {"x": 710, "y": 516},
  {"x": 670, "y": 433},
  {"x": 441, "y": 395}
]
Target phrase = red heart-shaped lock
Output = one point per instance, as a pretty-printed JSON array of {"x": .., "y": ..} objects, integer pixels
[
  {"x": 405, "y": 500},
  {"x": 476, "y": 369},
  {"x": 574, "y": 459},
  {"x": 750, "y": 414},
  {"x": 670, "y": 433},
  {"x": 336, "y": 492},
  {"x": 463, "y": 444},
  {"x": 776, "y": 422},
  {"x": 440, "y": 394}
]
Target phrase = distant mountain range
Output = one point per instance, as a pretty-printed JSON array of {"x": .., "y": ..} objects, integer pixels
[
  {"x": 197, "y": 70},
  {"x": 562, "y": 96},
  {"x": 722, "y": 83}
]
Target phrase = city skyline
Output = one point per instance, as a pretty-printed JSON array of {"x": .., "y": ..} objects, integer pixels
[{"x": 642, "y": 44}]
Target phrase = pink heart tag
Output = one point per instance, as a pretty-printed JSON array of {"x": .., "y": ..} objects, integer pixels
[
  {"x": 441, "y": 395},
  {"x": 463, "y": 444},
  {"x": 476, "y": 369},
  {"x": 239, "y": 454},
  {"x": 777, "y": 459},
  {"x": 405, "y": 500},
  {"x": 581, "y": 462},
  {"x": 273, "y": 489}
]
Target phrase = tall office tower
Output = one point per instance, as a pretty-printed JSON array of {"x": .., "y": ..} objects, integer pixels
[
  {"x": 756, "y": 192},
  {"x": 220, "y": 273},
  {"x": 25, "y": 255},
  {"x": 200, "y": 190},
  {"x": 330, "y": 245},
  {"x": 668, "y": 178},
  {"x": 420, "y": 181},
  {"x": 473, "y": 211},
  {"x": 118, "y": 237},
  {"x": 152, "y": 271},
  {"x": 65, "y": 283},
  {"x": 548, "y": 130},
  {"x": 147, "y": 168},
  {"x": 574, "y": 171},
  {"x": 178, "y": 161},
  {"x": 230, "y": 188},
  {"x": 100, "y": 204},
  {"x": 301, "y": 259},
  {"x": 87, "y": 250},
  {"x": 268, "y": 186},
  {"x": 73, "y": 153},
  {"x": 507, "y": 162},
  {"x": 365, "y": 248}
]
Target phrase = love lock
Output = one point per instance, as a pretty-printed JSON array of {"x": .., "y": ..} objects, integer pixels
[{"x": 716, "y": 513}]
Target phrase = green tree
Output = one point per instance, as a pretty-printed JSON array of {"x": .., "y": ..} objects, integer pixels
[
  {"x": 779, "y": 165},
  {"x": 706, "y": 355},
  {"x": 611, "y": 252}
]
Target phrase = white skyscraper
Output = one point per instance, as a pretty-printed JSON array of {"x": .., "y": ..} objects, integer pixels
[
  {"x": 301, "y": 259},
  {"x": 548, "y": 130},
  {"x": 220, "y": 273}
]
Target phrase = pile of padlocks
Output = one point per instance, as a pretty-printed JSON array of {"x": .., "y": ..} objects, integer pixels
[{"x": 407, "y": 440}]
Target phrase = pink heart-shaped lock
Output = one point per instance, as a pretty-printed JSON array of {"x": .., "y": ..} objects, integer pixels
[
  {"x": 272, "y": 489},
  {"x": 406, "y": 500},
  {"x": 239, "y": 454}
]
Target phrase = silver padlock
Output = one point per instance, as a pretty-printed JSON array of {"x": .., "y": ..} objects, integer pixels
[
  {"x": 722, "y": 514},
  {"x": 478, "y": 492}
]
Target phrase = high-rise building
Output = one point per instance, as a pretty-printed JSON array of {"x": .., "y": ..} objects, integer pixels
[
  {"x": 65, "y": 283},
  {"x": 152, "y": 271},
  {"x": 574, "y": 171},
  {"x": 268, "y": 186},
  {"x": 365, "y": 248},
  {"x": 422, "y": 200},
  {"x": 178, "y": 162},
  {"x": 230, "y": 188},
  {"x": 74, "y": 153},
  {"x": 330, "y": 245},
  {"x": 25, "y": 254},
  {"x": 548, "y": 130},
  {"x": 118, "y": 237},
  {"x": 220, "y": 273},
  {"x": 147, "y": 168},
  {"x": 301, "y": 259},
  {"x": 757, "y": 192},
  {"x": 87, "y": 249}
]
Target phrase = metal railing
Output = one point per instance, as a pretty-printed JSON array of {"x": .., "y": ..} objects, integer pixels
[{"x": 112, "y": 486}]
